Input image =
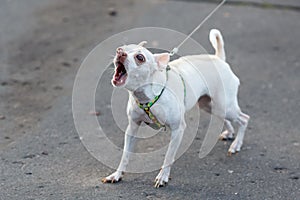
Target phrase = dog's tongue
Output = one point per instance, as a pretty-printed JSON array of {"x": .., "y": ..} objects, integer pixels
[{"x": 120, "y": 80}]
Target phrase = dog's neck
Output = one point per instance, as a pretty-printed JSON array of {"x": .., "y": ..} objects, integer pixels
[
  {"x": 148, "y": 92},
  {"x": 144, "y": 94}
]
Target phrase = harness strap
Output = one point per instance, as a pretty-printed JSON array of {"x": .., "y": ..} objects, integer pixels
[
  {"x": 146, "y": 106},
  {"x": 184, "y": 88}
]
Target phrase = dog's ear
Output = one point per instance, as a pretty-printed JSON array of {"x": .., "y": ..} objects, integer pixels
[
  {"x": 162, "y": 60},
  {"x": 142, "y": 43}
]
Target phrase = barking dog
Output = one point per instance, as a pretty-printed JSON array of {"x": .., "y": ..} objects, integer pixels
[{"x": 157, "y": 86}]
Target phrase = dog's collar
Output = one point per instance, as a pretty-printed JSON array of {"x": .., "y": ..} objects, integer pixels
[{"x": 146, "y": 106}]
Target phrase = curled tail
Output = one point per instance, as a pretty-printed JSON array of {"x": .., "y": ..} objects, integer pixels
[{"x": 217, "y": 42}]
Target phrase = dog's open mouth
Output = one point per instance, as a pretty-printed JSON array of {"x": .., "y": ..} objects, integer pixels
[{"x": 120, "y": 75}]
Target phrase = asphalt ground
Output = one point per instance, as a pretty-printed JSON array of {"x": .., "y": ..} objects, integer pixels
[{"x": 42, "y": 47}]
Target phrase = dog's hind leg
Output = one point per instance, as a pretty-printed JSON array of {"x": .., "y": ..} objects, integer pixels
[
  {"x": 205, "y": 103},
  {"x": 229, "y": 130},
  {"x": 242, "y": 121}
]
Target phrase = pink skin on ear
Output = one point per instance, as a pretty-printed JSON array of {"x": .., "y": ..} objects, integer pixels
[{"x": 162, "y": 60}]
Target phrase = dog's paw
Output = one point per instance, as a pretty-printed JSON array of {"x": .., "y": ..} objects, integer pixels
[
  {"x": 162, "y": 178},
  {"x": 226, "y": 135},
  {"x": 113, "y": 178},
  {"x": 235, "y": 147}
]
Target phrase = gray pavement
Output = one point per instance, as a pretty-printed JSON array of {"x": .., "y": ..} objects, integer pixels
[
  {"x": 266, "y": 4},
  {"x": 41, "y": 154}
]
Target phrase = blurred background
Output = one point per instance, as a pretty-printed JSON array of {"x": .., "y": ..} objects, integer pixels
[{"x": 43, "y": 44}]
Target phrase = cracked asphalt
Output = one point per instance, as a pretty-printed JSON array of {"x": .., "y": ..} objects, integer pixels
[{"x": 43, "y": 44}]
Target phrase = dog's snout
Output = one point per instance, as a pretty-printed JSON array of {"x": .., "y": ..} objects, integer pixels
[
  {"x": 119, "y": 50},
  {"x": 122, "y": 55}
]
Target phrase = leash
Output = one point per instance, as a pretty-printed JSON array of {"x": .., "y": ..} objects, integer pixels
[{"x": 176, "y": 49}]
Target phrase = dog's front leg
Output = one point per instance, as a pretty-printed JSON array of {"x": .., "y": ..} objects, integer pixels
[
  {"x": 176, "y": 136},
  {"x": 129, "y": 141}
]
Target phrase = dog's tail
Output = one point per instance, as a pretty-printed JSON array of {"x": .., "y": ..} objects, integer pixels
[{"x": 217, "y": 42}]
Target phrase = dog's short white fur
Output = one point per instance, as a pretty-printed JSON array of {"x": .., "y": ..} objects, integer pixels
[{"x": 143, "y": 74}]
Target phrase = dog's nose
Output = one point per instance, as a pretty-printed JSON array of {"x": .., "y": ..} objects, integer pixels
[
  {"x": 121, "y": 52},
  {"x": 122, "y": 55}
]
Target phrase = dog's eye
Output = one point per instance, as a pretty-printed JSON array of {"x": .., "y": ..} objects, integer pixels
[{"x": 140, "y": 58}]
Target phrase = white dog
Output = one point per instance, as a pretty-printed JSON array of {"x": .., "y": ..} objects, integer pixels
[{"x": 160, "y": 92}]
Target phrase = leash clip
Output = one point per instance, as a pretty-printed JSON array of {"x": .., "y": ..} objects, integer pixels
[{"x": 174, "y": 51}]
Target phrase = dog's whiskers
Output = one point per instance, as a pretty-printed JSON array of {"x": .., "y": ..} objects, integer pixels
[
  {"x": 110, "y": 71},
  {"x": 112, "y": 57}
]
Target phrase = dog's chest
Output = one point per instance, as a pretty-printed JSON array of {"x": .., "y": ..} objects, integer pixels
[{"x": 145, "y": 118}]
